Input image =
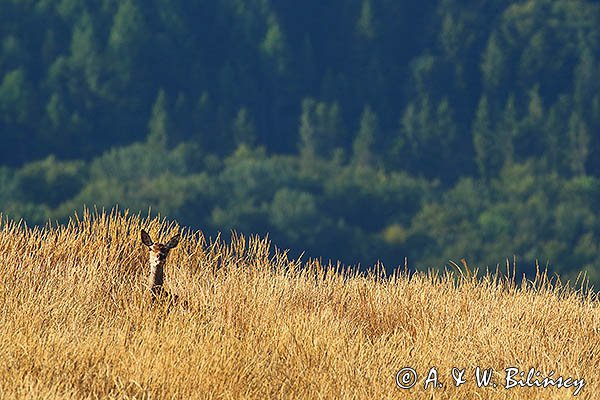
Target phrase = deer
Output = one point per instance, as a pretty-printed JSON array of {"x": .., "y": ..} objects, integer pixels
[{"x": 158, "y": 253}]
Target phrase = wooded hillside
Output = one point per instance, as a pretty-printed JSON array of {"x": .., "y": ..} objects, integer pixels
[{"x": 355, "y": 130}]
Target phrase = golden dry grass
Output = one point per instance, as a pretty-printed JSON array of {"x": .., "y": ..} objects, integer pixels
[{"x": 75, "y": 322}]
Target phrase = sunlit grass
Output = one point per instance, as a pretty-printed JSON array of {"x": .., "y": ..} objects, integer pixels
[{"x": 76, "y": 322}]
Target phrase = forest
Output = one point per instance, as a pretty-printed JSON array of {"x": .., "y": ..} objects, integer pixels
[{"x": 357, "y": 130}]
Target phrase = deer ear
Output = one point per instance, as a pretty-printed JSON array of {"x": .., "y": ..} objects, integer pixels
[
  {"x": 146, "y": 238},
  {"x": 173, "y": 242}
]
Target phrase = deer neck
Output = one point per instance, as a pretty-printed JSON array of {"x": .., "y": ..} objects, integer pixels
[{"x": 157, "y": 273}]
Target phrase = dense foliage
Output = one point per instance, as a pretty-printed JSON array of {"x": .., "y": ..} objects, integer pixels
[{"x": 357, "y": 130}]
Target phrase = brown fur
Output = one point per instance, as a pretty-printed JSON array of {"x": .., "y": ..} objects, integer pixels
[{"x": 158, "y": 253}]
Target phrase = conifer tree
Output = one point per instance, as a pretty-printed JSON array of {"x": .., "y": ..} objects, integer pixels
[
  {"x": 244, "y": 131},
  {"x": 126, "y": 38},
  {"x": 363, "y": 142},
  {"x": 320, "y": 127},
  {"x": 585, "y": 79},
  {"x": 274, "y": 45},
  {"x": 15, "y": 98},
  {"x": 84, "y": 56},
  {"x": 579, "y": 140},
  {"x": 159, "y": 124},
  {"x": 492, "y": 64},
  {"x": 307, "y": 132},
  {"x": 508, "y": 130},
  {"x": 365, "y": 25},
  {"x": 486, "y": 150}
]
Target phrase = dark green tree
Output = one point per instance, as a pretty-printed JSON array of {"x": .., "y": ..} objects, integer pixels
[
  {"x": 585, "y": 79},
  {"x": 308, "y": 131},
  {"x": 126, "y": 39},
  {"x": 485, "y": 142},
  {"x": 528, "y": 141},
  {"x": 320, "y": 128},
  {"x": 579, "y": 141},
  {"x": 365, "y": 25},
  {"x": 428, "y": 139},
  {"x": 362, "y": 146},
  {"x": 159, "y": 123},
  {"x": 49, "y": 181},
  {"x": 84, "y": 56},
  {"x": 244, "y": 130},
  {"x": 492, "y": 64},
  {"x": 508, "y": 129},
  {"x": 274, "y": 45},
  {"x": 16, "y": 99}
]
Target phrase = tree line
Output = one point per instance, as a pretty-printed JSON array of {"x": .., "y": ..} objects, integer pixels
[{"x": 354, "y": 130}]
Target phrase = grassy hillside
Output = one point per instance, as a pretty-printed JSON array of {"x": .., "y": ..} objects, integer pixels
[{"x": 75, "y": 322}]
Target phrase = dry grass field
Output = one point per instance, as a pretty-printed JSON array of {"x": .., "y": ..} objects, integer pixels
[{"x": 76, "y": 322}]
